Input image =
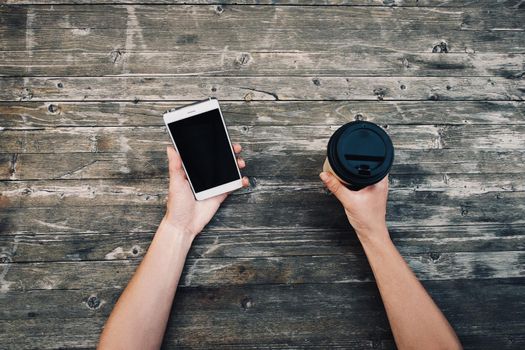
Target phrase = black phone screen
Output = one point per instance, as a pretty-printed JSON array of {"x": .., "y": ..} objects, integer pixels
[{"x": 203, "y": 145}]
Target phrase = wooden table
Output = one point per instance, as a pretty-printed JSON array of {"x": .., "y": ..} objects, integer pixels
[{"x": 83, "y": 165}]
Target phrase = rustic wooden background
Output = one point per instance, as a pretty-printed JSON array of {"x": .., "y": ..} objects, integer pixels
[{"x": 83, "y": 167}]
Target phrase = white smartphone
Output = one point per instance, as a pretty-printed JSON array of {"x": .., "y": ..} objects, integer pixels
[{"x": 199, "y": 135}]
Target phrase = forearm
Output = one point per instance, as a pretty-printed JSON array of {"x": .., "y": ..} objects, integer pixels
[
  {"x": 139, "y": 318},
  {"x": 415, "y": 320}
]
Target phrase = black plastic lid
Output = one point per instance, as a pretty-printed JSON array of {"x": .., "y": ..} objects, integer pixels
[{"x": 360, "y": 153}]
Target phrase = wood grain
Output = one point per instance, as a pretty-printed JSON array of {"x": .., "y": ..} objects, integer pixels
[
  {"x": 260, "y": 88},
  {"x": 335, "y": 269},
  {"x": 221, "y": 63},
  {"x": 138, "y": 141},
  {"x": 119, "y": 31},
  {"x": 292, "y": 165},
  {"x": 259, "y": 242},
  {"x": 303, "y": 17},
  {"x": 72, "y": 192},
  {"x": 40, "y": 115},
  {"x": 513, "y": 4},
  {"x": 310, "y": 208},
  {"x": 227, "y": 313},
  {"x": 117, "y": 44}
]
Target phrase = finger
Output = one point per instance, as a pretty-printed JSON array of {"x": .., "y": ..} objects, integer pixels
[
  {"x": 245, "y": 182},
  {"x": 383, "y": 184},
  {"x": 336, "y": 187},
  {"x": 237, "y": 148},
  {"x": 174, "y": 165},
  {"x": 222, "y": 197},
  {"x": 241, "y": 163}
]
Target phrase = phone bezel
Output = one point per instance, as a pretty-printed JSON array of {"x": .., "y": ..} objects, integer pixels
[{"x": 191, "y": 111}]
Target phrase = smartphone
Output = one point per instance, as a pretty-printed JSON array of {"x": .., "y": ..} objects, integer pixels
[{"x": 199, "y": 135}]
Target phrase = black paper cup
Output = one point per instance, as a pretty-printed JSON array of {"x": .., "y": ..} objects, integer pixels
[{"x": 359, "y": 154}]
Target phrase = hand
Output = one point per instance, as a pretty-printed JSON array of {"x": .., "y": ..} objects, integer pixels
[
  {"x": 365, "y": 209},
  {"x": 184, "y": 212}
]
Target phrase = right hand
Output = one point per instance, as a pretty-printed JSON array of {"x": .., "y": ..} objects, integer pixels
[
  {"x": 365, "y": 209},
  {"x": 184, "y": 213}
]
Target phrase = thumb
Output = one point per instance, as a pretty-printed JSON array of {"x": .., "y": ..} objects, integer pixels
[
  {"x": 336, "y": 187},
  {"x": 174, "y": 164}
]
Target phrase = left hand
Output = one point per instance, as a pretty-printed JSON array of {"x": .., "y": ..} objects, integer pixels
[{"x": 184, "y": 212}]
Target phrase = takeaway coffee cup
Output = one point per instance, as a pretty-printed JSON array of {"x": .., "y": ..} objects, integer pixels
[{"x": 359, "y": 154}]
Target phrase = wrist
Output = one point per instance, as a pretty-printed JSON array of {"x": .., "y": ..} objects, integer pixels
[
  {"x": 180, "y": 233},
  {"x": 374, "y": 237}
]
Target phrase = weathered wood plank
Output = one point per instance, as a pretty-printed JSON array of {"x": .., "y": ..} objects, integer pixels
[
  {"x": 293, "y": 165},
  {"x": 120, "y": 30},
  {"x": 341, "y": 309},
  {"x": 51, "y": 193},
  {"x": 252, "y": 243},
  {"x": 351, "y": 267},
  {"x": 116, "y": 45},
  {"x": 27, "y": 115},
  {"x": 139, "y": 140},
  {"x": 310, "y": 208},
  {"x": 220, "y": 63},
  {"x": 305, "y": 17},
  {"x": 513, "y": 4},
  {"x": 205, "y": 317},
  {"x": 260, "y": 88},
  {"x": 88, "y": 330}
]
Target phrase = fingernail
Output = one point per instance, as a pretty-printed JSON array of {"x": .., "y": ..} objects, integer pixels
[{"x": 323, "y": 176}]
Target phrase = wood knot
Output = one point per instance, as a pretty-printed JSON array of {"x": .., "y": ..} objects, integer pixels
[
  {"x": 359, "y": 116},
  {"x": 219, "y": 9},
  {"x": 12, "y": 166},
  {"x": 26, "y": 94},
  {"x": 31, "y": 314},
  {"x": 135, "y": 250},
  {"x": 27, "y": 191},
  {"x": 93, "y": 302},
  {"x": 243, "y": 59},
  {"x": 115, "y": 55},
  {"x": 440, "y": 48},
  {"x": 246, "y": 303},
  {"x": 380, "y": 92},
  {"x": 249, "y": 96},
  {"x": 316, "y": 82},
  {"x": 403, "y": 87},
  {"x": 434, "y": 256},
  {"x": 60, "y": 85},
  {"x": 52, "y": 108}
]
